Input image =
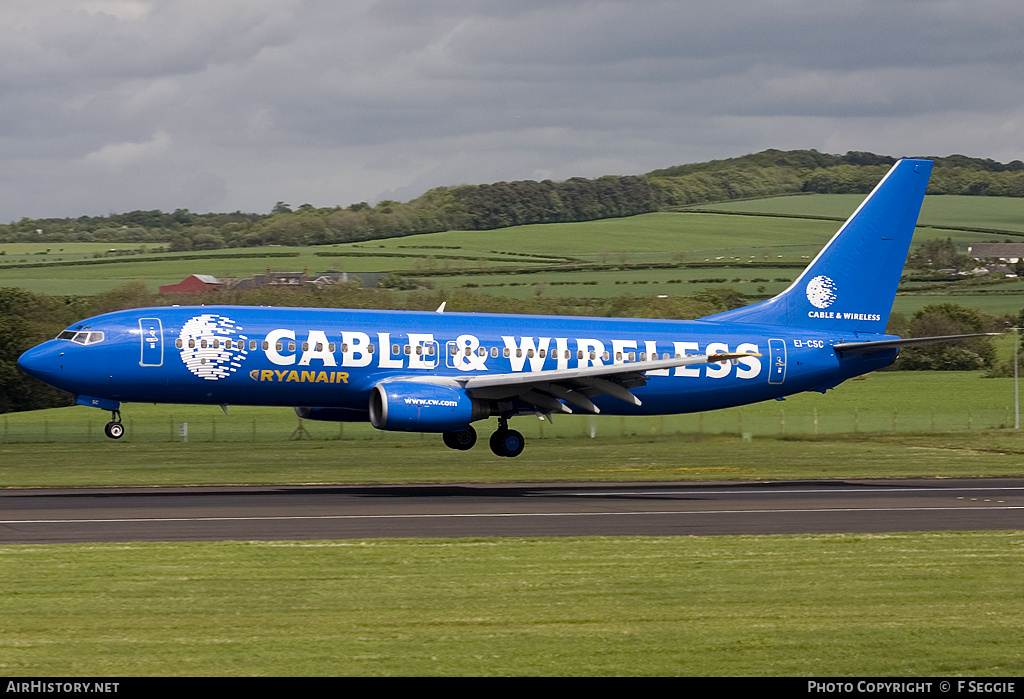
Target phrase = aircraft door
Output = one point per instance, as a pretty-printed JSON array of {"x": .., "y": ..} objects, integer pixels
[
  {"x": 777, "y": 351},
  {"x": 152, "y": 337},
  {"x": 451, "y": 349}
]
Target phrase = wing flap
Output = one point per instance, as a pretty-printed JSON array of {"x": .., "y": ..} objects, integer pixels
[{"x": 548, "y": 391}]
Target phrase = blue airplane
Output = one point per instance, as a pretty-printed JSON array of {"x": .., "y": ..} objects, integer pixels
[{"x": 439, "y": 372}]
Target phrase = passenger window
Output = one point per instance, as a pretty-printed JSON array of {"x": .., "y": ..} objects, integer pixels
[
  {"x": 178, "y": 343},
  {"x": 370, "y": 349},
  {"x": 494, "y": 352},
  {"x": 252, "y": 345}
]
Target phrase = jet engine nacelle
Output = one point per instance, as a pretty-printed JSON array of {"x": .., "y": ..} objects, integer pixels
[{"x": 422, "y": 407}]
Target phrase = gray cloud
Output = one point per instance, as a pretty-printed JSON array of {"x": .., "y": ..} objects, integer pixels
[{"x": 111, "y": 105}]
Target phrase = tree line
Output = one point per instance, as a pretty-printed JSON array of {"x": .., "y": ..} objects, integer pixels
[{"x": 503, "y": 204}]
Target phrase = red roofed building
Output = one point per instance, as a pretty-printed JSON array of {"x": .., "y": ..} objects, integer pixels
[{"x": 194, "y": 284}]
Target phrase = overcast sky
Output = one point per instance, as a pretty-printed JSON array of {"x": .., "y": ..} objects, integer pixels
[{"x": 221, "y": 105}]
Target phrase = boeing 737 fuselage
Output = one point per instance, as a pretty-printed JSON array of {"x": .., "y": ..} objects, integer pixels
[{"x": 439, "y": 372}]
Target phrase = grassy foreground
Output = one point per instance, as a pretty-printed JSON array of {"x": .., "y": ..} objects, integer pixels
[
  {"x": 669, "y": 458},
  {"x": 933, "y": 604},
  {"x": 908, "y": 604},
  {"x": 889, "y": 424}
]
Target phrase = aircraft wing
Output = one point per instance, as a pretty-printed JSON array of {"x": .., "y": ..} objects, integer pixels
[{"x": 546, "y": 390}]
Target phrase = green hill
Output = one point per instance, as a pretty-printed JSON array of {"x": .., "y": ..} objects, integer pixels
[{"x": 504, "y": 204}]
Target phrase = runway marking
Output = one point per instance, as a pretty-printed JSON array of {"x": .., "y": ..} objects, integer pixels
[
  {"x": 269, "y": 518},
  {"x": 773, "y": 491}
]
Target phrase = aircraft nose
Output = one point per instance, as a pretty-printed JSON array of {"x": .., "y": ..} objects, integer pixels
[{"x": 42, "y": 362}]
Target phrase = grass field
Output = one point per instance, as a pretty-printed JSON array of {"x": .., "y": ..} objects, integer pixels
[
  {"x": 668, "y": 237},
  {"x": 88, "y": 279},
  {"x": 931, "y": 604},
  {"x": 636, "y": 458},
  {"x": 887, "y": 425},
  {"x": 1001, "y": 213}
]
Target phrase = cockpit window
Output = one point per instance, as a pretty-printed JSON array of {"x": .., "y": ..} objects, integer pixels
[{"x": 82, "y": 338}]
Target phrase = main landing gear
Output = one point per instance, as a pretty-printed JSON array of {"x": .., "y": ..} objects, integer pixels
[
  {"x": 114, "y": 429},
  {"x": 504, "y": 442},
  {"x": 462, "y": 440}
]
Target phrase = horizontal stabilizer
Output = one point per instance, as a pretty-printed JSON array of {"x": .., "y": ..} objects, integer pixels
[{"x": 869, "y": 347}]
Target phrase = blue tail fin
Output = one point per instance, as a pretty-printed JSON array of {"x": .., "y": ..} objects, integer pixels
[{"x": 852, "y": 282}]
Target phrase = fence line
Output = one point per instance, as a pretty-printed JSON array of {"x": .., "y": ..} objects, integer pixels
[{"x": 747, "y": 424}]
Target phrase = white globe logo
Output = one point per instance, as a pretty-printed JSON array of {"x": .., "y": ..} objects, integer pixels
[
  {"x": 821, "y": 292},
  {"x": 211, "y": 347}
]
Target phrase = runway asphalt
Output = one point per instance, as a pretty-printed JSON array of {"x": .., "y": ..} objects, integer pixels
[{"x": 522, "y": 509}]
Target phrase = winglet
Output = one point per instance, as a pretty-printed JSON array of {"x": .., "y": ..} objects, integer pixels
[{"x": 440, "y": 309}]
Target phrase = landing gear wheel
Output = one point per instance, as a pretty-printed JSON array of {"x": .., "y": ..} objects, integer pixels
[
  {"x": 461, "y": 440},
  {"x": 114, "y": 430},
  {"x": 507, "y": 443}
]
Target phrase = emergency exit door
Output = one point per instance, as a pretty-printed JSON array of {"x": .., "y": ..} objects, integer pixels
[
  {"x": 777, "y": 370},
  {"x": 152, "y": 336}
]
